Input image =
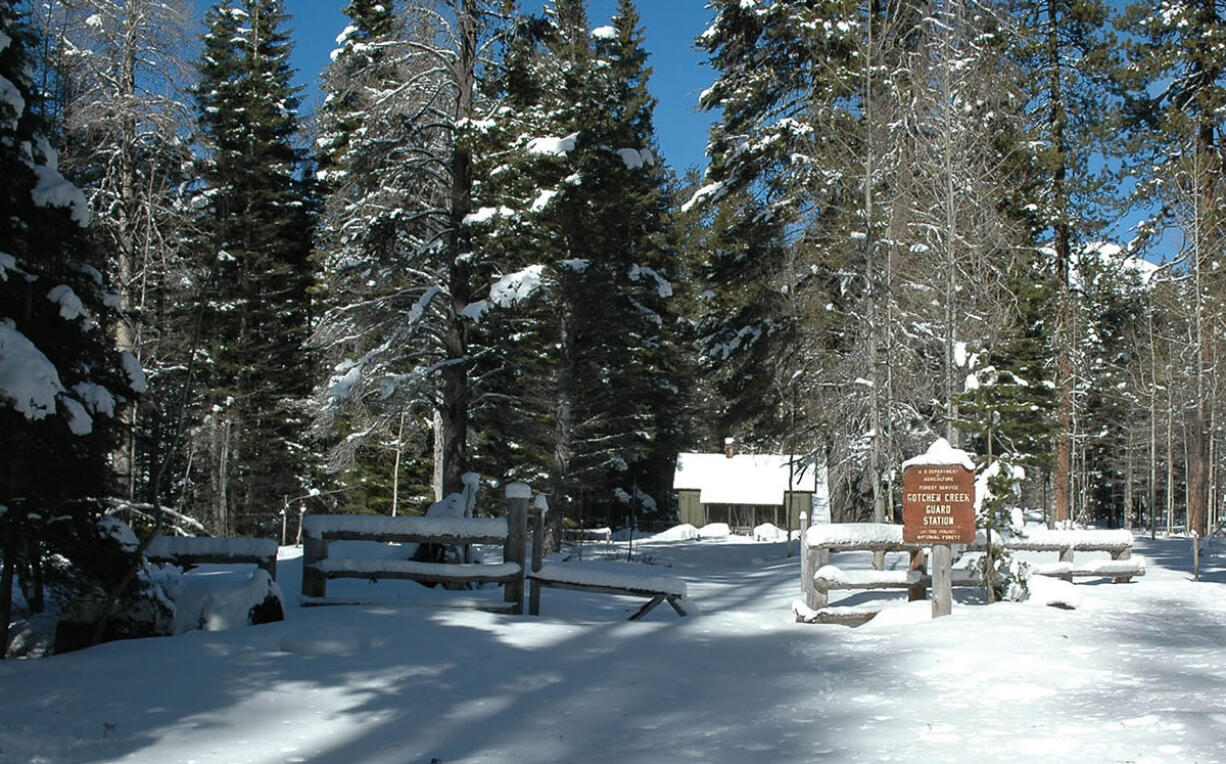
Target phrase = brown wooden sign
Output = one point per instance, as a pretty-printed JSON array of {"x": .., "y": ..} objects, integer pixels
[{"x": 938, "y": 504}]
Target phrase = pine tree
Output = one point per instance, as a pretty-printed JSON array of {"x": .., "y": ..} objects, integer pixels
[
  {"x": 1066, "y": 52},
  {"x": 378, "y": 172},
  {"x": 586, "y": 209},
  {"x": 61, "y": 377},
  {"x": 402, "y": 274},
  {"x": 254, "y": 244},
  {"x": 1176, "y": 79},
  {"x": 781, "y": 76}
]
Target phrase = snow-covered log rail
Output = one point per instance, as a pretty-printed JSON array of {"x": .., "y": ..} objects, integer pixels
[
  {"x": 319, "y": 531},
  {"x": 600, "y": 577},
  {"x": 819, "y": 577},
  {"x": 189, "y": 551}
]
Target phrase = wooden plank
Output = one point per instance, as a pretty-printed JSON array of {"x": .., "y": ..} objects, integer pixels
[
  {"x": 490, "y": 606},
  {"x": 430, "y": 572},
  {"x": 843, "y": 616},
  {"x": 645, "y": 609},
  {"x": 655, "y": 597},
  {"x": 189, "y": 561},
  {"x": 423, "y": 530},
  {"x": 919, "y": 583},
  {"x": 626, "y": 591},
  {"x": 413, "y": 538}
]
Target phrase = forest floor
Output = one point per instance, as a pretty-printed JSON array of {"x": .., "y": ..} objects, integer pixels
[{"x": 1136, "y": 673}]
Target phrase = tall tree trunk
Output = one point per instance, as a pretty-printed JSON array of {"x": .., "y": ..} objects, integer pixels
[
  {"x": 6, "y": 593},
  {"x": 1128, "y": 482},
  {"x": 456, "y": 385},
  {"x": 1170, "y": 460},
  {"x": 1062, "y": 244}
]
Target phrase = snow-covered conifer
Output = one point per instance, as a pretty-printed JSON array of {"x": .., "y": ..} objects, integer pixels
[
  {"x": 61, "y": 376},
  {"x": 252, "y": 268}
]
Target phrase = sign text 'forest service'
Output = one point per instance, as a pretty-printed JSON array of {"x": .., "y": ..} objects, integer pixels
[{"x": 938, "y": 504}]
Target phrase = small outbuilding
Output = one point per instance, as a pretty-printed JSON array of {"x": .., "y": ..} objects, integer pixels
[{"x": 747, "y": 490}]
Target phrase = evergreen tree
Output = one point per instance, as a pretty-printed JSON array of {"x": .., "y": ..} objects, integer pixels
[
  {"x": 253, "y": 251},
  {"x": 379, "y": 149},
  {"x": 61, "y": 377},
  {"x": 1176, "y": 80},
  {"x": 587, "y": 214},
  {"x": 782, "y": 83},
  {"x": 399, "y": 262},
  {"x": 1066, "y": 53}
]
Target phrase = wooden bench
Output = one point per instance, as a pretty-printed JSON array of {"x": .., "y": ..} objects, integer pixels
[
  {"x": 603, "y": 579},
  {"x": 319, "y": 531},
  {"x": 189, "y": 551},
  {"x": 819, "y": 577},
  {"x": 598, "y": 577}
]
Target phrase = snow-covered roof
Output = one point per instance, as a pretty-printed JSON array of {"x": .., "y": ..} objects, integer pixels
[{"x": 760, "y": 479}]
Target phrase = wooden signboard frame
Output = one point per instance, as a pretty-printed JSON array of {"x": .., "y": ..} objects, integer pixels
[{"x": 938, "y": 508}]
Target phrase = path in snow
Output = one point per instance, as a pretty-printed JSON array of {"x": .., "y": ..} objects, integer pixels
[{"x": 1137, "y": 673}]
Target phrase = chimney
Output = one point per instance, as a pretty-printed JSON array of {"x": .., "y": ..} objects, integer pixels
[{"x": 729, "y": 447}]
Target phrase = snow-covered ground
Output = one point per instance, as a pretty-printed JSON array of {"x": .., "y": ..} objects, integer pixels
[{"x": 1136, "y": 674}]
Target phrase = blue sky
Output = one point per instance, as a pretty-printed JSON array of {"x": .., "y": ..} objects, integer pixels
[{"x": 678, "y": 76}]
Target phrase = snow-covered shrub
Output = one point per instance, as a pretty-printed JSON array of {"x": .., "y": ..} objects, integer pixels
[
  {"x": 220, "y": 602},
  {"x": 144, "y": 610}
]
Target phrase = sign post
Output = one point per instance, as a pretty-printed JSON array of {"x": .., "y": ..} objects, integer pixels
[{"x": 938, "y": 508}]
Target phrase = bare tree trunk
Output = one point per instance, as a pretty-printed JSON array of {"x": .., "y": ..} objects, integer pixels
[
  {"x": 1128, "y": 481},
  {"x": 438, "y": 455},
  {"x": 1170, "y": 460},
  {"x": 396, "y": 466},
  {"x": 1153, "y": 427},
  {"x": 1062, "y": 244},
  {"x": 6, "y": 593},
  {"x": 457, "y": 392}
]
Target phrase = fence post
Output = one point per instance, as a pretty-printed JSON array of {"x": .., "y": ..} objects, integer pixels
[
  {"x": 519, "y": 496},
  {"x": 942, "y": 580},
  {"x": 537, "y": 514},
  {"x": 918, "y": 591},
  {"x": 1066, "y": 555},
  {"x": 814, "y": 599},
  {"x": 314, "y": 583}
]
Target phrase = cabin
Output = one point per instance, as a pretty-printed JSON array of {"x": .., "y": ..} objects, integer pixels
[{"x": 747, "y": 490}]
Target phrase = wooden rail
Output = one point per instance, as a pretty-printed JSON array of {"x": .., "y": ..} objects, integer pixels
[
  {"x": 819, "y": 577},
  {"x": 602, "y": 578},
  {"x": 189, "y": 551},
  {"x": 319, "y": 531}
]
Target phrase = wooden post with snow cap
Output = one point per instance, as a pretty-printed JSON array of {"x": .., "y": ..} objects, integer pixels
[
  {"x": 938, "y": 508},
  {"x": 540, "y": 506},
  {"x": 810, "y": 561},
  {"x": 519, "y": 496}
]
